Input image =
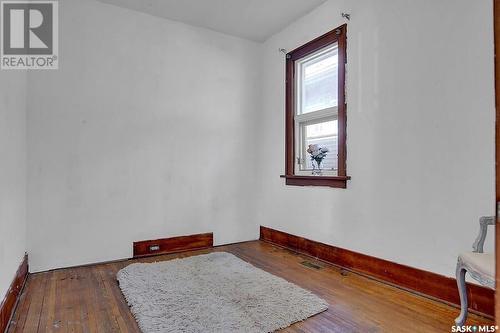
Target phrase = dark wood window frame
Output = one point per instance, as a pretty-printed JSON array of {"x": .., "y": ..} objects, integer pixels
[{"x": 337, "y": 35}]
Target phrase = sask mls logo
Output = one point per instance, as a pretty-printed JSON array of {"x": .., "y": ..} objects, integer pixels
[{"x": 29, "y": 35}]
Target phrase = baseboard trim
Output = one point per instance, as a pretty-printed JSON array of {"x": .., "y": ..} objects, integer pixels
[
  {"x": 173, "y": 245},
  {"x": 131, "y": 259},
  {"x": 435, "y": 286},
  {"x": 9, "y": 303}
]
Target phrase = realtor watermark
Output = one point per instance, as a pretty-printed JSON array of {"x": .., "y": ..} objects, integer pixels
[
  {"x": 29, "y": 35},
  {"x": 475, "y": 328}
]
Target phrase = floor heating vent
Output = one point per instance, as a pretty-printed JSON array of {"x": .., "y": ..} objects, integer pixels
[{"x": 310, "y": 265}]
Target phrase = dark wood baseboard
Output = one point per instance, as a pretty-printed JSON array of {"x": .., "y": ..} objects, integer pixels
[
  {"x": 108, "y": 262},
  {"x": 9, "y": 302},
  {"x": 173, "y": 244},
  {"x": 436, "y": 286}
]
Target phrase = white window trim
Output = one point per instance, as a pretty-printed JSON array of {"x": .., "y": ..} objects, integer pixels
[
  {"x": 303, "y": 119},
  {"x": 299, "y": 73},
  {"x": 300, "y": 122}
]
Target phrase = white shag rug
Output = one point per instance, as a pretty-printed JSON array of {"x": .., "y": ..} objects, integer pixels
[{"x": 216, "y": 292}]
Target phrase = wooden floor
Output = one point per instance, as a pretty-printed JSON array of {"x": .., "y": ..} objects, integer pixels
[{"x": 88, "y": 299}]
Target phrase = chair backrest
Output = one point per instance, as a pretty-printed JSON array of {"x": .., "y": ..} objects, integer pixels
[{"x": 484, "y": 222}]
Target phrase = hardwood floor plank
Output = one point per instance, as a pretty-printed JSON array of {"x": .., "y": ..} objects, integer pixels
[
  {"x": 88, "y": 299},
  {"x": 49, "y": 305},
  {"x": 120, "y": 310},
  {"x": 108, "y": 322},
  {"x": 21, "y": 312},
  {"x": 29, "y": 321}
]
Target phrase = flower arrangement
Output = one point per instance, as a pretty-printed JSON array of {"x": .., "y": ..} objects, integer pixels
[{"x": 317, "y": 155}]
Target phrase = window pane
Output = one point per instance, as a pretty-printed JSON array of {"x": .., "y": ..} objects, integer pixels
[
  {"x": 319, "y": 81},
  {"x": 325, "y": 136},
  {"x": 326, "y": 128}
]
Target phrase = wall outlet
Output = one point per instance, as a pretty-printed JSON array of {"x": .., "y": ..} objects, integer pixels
[{"x": 154, "y": 248}]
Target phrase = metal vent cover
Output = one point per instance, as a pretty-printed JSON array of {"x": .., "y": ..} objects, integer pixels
[{"x": 310, "y": 265}]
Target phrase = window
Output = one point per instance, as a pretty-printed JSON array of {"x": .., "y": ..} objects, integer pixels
[{"x": 316, "y": 112}]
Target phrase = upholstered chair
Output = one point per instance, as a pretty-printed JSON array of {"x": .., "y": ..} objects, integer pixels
[{"x": 479, "y": 265}]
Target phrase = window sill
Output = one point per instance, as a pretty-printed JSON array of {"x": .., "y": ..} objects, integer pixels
[{"x": 330, "y": 181}]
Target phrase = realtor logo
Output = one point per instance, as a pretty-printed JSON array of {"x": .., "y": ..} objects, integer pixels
[{"x": 29, "y": 35}]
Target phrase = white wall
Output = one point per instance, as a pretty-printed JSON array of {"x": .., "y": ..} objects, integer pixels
[
  {"x": 145, "y": 131},
  {"x": 420, "y": 132},
  {"x": 152, "y": 128},
  {"x": 12, "y": 175}
]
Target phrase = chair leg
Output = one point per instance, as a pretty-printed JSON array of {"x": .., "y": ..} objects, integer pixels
[{"x": 462, "y": 290}]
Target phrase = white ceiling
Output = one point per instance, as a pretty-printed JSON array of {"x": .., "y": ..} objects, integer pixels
[{"x": 251, "y": 19}]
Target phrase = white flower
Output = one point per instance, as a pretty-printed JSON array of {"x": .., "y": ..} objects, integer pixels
[{"x": 325, "y": 150}]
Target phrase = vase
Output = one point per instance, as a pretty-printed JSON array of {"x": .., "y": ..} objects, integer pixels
[{"x": 316, "y": 171}]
